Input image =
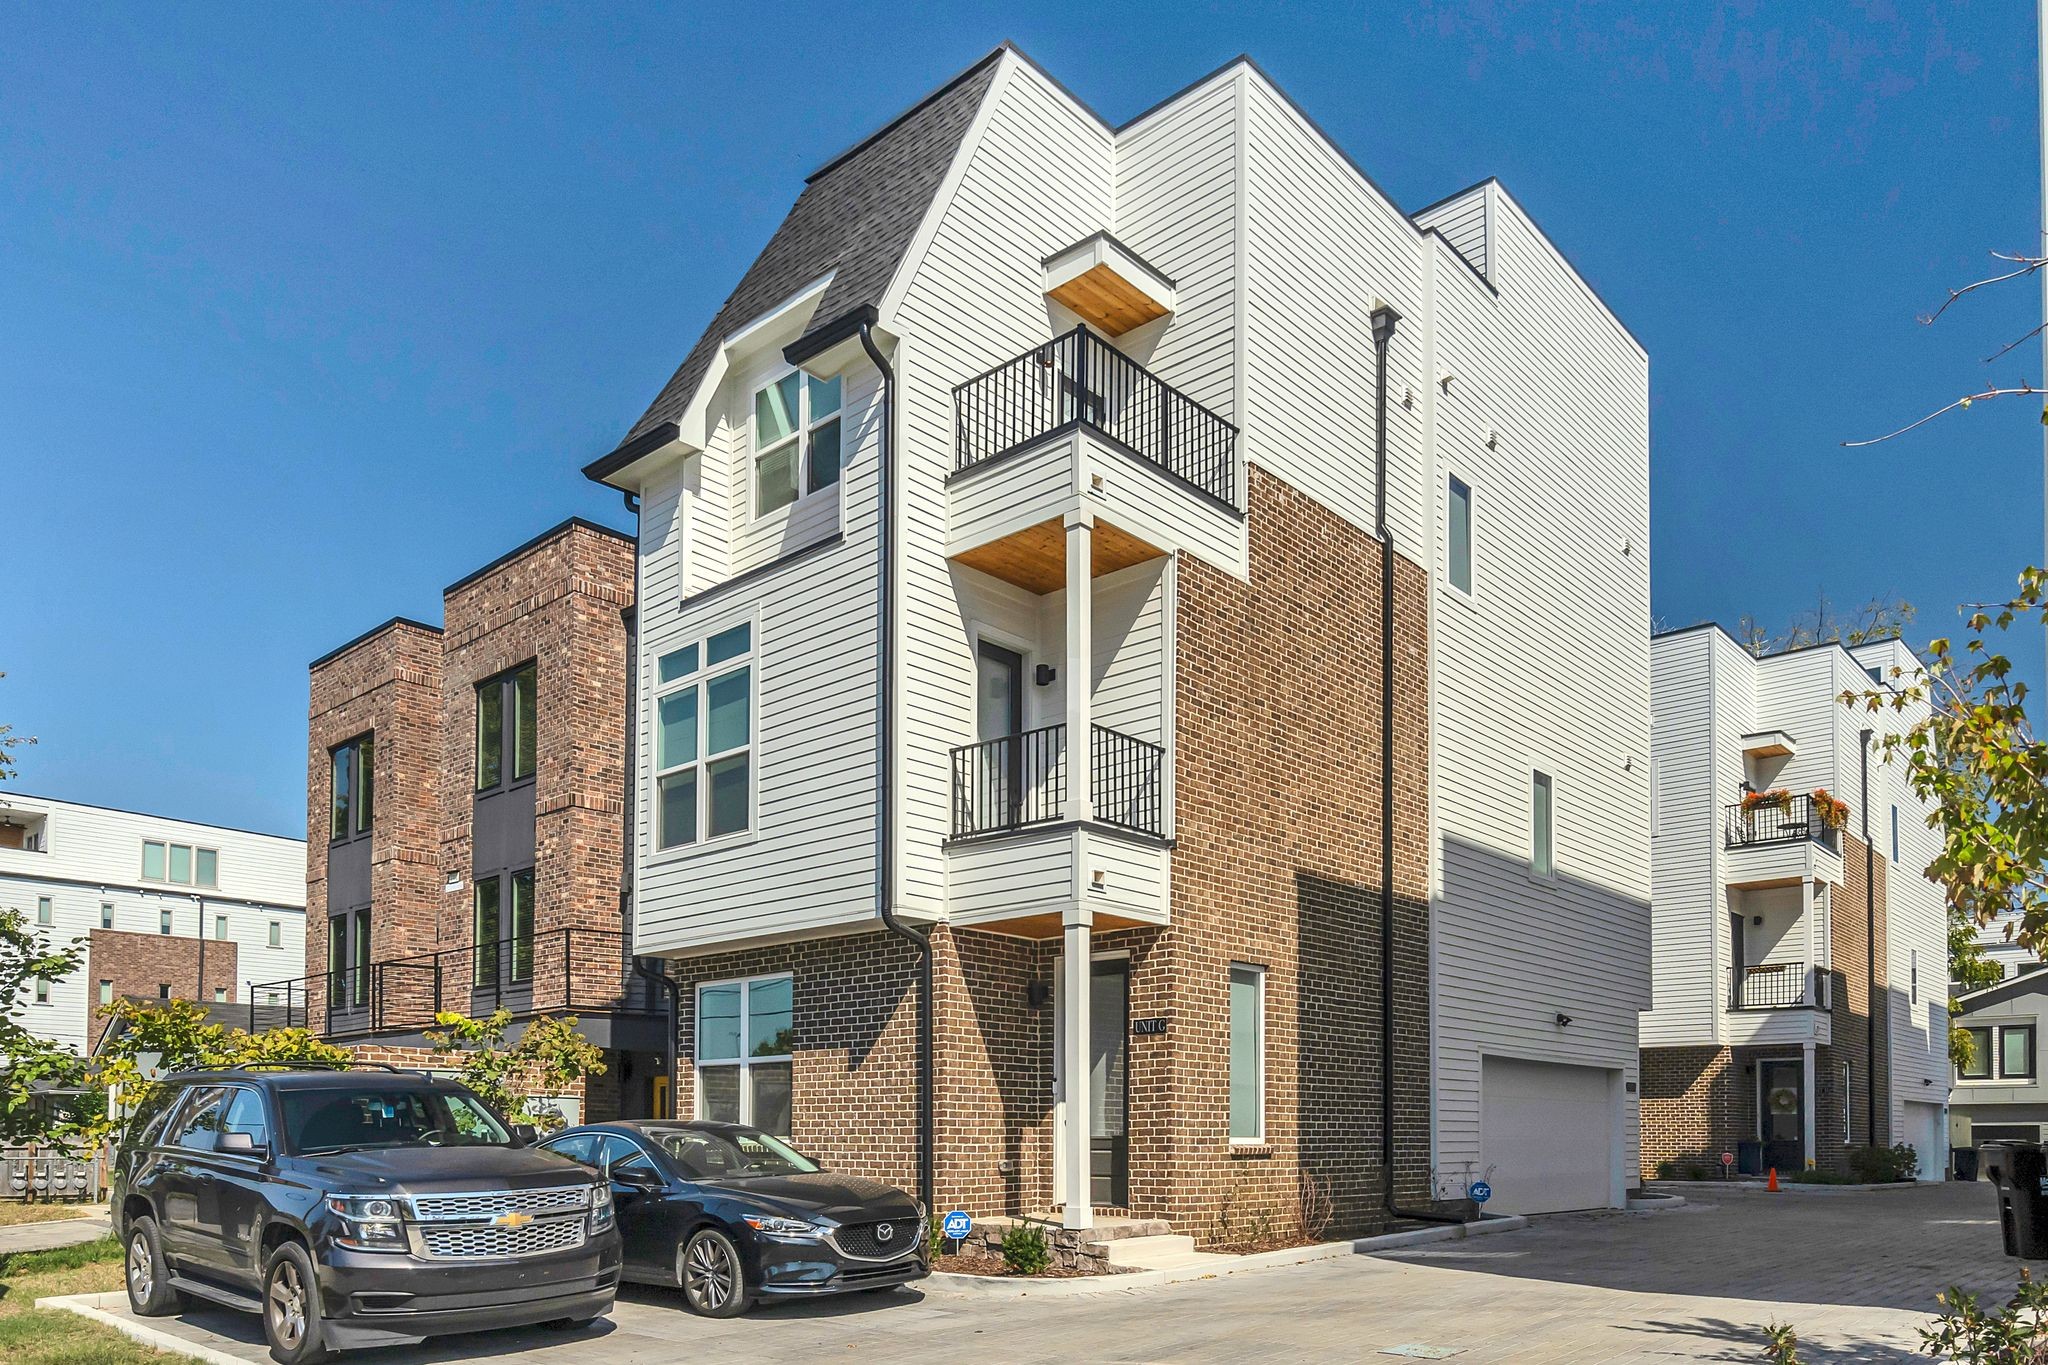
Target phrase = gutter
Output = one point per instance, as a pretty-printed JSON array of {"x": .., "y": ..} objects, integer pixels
[
  {"x": 1384, "y": 319},
  {"x": 862, "y": 324}
]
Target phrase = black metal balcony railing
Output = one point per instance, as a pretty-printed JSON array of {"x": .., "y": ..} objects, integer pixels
[
  {"x": 561, "y": 970},
  {"x": 1773, "y": 986},
  {"x": 1787, "y": 821},
  {"x": 1019, "y": 780},
  {"x": 1078, "y": 379}
]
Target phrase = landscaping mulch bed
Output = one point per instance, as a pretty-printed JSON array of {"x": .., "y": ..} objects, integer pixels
[
  {"x": 1274, "y": 1241},
  {"x": 993, "y": 1268}
]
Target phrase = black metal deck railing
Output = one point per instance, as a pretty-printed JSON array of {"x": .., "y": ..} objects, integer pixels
[
  {"x": 560, "y": 970},
  {"x": 1019, "y": 780},
  {"x": 1773, "y": 986},
  {"x": 1783, "y": 821},
  {"x": 1079, "y": 379}
]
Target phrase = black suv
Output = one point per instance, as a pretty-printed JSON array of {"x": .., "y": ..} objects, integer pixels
[{"x": 355, "y": 1208}]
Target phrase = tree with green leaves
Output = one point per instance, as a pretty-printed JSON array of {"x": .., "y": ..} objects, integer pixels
[
  {"x": 181, "y": 1036},
  {"x": 33, "y": 1070},
  {"x": 518, "y": 1080},
  {"x": 9, "y": 742}
]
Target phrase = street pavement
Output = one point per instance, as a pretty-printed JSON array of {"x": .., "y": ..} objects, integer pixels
[{"x": 1855, "y": 1272}]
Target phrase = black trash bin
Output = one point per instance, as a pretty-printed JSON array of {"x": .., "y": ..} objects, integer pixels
[
  {"x": 1749, "y": 1157},
  {"x": 1965, "y": 1159},
  {"x": 2018, "y": 1169}
]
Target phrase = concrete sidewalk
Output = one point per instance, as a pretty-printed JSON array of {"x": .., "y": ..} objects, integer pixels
[{"x": 60, "y": 1233}]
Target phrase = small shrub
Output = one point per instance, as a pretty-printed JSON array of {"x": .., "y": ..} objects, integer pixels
[
  {"x": 1316, "y": 1207},
  {"x": 1024, "y": 1250},
  {"x": 1883, "y": 1165},
  {"x": 1782, "y": 1346},
  {"x": 1667, "y": 1170},
  {"x": 1695, "y": 1173},
  {"x": 2014, "y": 1335}
]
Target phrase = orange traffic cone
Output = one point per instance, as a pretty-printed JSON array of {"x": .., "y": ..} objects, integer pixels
[{"x": 1773, "y": 1186}]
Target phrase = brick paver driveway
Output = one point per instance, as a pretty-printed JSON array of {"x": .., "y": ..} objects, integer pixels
[{"x": 1855, "y": 1272}]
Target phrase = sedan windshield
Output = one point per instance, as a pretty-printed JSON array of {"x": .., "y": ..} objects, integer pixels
[
  {"x": 730, "y": 1154},
  {"x": 371, "y": 1116}
]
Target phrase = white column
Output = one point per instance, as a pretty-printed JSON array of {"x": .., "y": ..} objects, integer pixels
[
  {"x": 1810, "y": 912},
  {"x": 1077, "y": 1153},
  {"x": 1806, "y": 1105},
  {"x": 1080, "y": 663}
]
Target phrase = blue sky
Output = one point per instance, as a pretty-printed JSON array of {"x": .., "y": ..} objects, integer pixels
[{"x": 307, "y": 311}]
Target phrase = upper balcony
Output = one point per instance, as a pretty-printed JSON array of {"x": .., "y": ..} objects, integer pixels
[
  {"x": 1778, "y": 838},
  {"x": 1075, "y": 425}
]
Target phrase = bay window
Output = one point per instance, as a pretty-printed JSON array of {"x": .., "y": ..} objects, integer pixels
[
  {"x": 745, "y": 1043},
  {"x": 703, "y": 739}
]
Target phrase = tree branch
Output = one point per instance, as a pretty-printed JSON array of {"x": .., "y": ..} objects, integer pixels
[
  {"x": 2028, "y": 265},
  {"x": 1965, "y": 401}
]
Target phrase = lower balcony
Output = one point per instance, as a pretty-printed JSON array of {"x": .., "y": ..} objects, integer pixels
[
  {"x": 1019, "y": 862},
  {"x": 564, "y": 971},
  {"x": 1780, "y": 1002}
]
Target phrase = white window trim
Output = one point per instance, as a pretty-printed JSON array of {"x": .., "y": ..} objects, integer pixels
[
  {"x": 656, "y": 690},
  {"x": 46, "y": 911},
  {"x": 806, "y": 427},
  {"x": 1258, "y": 975},
  {"x": 1848, "y": 1110},
  {"x": 1994, "y": 1052},
  {"x": 194, "y": 850},
  {"x": 742, "y": 1063},
  {"x": 1469, "y": 596}
]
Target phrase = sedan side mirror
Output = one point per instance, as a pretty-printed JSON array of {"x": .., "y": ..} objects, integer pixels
[
  {"x": 524, "y": 1135},
  {"x": 638, "y": 1178}
]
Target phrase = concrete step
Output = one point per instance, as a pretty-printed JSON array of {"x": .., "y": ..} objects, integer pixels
[{"x": 1160, "y": 1251}]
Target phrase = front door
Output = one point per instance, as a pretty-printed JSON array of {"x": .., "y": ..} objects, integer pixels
[
  {"x": 1781, "y": 1092},
  {"x": 1108, "y": 1107}
]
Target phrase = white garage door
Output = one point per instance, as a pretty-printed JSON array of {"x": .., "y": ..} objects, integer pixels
[
  {"x": 1928, "y": 1134},
  {"x": 1546, "y": 1133}
]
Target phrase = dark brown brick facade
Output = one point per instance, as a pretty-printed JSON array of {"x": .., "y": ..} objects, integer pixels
[
  {"x": 1276, "y": 864},
  {"x": 141, "y": 964},
  {"x": 561, "y": 602}
]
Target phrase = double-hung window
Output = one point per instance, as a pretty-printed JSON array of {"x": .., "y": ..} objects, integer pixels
[
  {"x": 703, "y": 739},
  {"x": 505, "y": 749},
  {"x": 745, "y": 1042},
  {"x": 796, "y": 439},
  {"x": 1247, "y": 1053},
  {"x": 351, "y": 788}
]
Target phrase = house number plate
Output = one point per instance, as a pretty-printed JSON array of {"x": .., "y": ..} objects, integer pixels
[{"x": 1142, "y": 1027}]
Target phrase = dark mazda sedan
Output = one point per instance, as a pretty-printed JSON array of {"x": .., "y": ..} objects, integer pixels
[{"x": 731, "y": 1214}]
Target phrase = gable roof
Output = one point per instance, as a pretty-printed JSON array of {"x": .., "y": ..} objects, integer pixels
[
  {"x": 854, "y": 221},
  {"x": 2033, "y": 982}
]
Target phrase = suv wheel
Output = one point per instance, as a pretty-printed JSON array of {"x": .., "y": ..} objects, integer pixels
[
  {"x": 291, "y": 1307},
  {"x": 148, "y": 1274},
  {"x": 714, "y": 1285}
]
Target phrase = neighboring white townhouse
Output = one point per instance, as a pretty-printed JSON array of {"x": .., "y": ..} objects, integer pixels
[
  {"x": 2003, "y": 949},
  {"x": 1800, "y": 953},
  {"x": 166, "y": 908},
  {"x": 1227, "y": 724}
]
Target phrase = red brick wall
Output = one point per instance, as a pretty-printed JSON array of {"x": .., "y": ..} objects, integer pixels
[
  {"x": 138, "y": 964},
  {"x": 1692, "y": 1106},
  {"x": 1849, "y": 940}
]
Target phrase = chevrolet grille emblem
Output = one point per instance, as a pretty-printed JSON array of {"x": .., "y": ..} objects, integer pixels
[{"x": 512, "y": 1222}]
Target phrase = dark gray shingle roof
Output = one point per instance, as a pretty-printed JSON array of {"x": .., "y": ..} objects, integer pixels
[{"x": 856, "y": 216}]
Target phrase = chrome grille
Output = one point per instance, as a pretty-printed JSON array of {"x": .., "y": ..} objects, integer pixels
[
  {"x": 487, "y": 1204},
  {"x": 476, "y": 1241},
  {"x": 878, "y": 1241}
]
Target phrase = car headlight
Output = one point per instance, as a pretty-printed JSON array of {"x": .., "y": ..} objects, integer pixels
[
  {"x": 601, "y": 1215},
  {"x": 369, "y": 1222},
  {"x": 795, "y": 1228}
]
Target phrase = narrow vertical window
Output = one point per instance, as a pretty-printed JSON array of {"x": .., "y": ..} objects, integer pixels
[
  {"x": 220, "y": 995},
  {"x": 366, "y": 782},
  {"x": 163, "y": 990},
  {"x": 205, "y": 867},
  {"x": 353, "y": 777},
  {"x": 2016, "y": 1052},
  {"x": 1541, "y": 859},
  {"x": 106, "y": 914},
  {"x": 1247, "y": 1054},
  {"x": 42, "y": 991},
  {"x": 523, "y": 743},
  {"x": 1848, "y": 1110},
  {"x": 106, "y": 992},
  {"x": 220, "y": 927},
  {"x": 45, "y": 912},
  {"x": 1895, "y": 834},
  {"x": 340, "y": 792},
  {"x": 337, "y": 960},
  {"x": 1459, "y": 546},
  {"x": 276, "y": 939},
  {"x": 490, "y": 736},
  {"x": 484, "y": 932},
  {"x": 522, "y": 925},
  {"x": 362, "y": 960},
  {"x": 163, "y": 922}
]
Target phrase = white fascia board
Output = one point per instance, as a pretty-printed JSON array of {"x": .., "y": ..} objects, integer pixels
[{"x": 780, "y": 325}]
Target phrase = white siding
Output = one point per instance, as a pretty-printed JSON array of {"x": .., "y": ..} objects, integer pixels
[
  {"x": 94, "y": 856},
  {"x": 1462, "y": 221},
  {"x": 1685, "y": 965},
  {"x": 1545, "y": 666}
]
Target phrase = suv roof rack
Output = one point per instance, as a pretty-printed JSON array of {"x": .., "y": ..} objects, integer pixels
[{"x": 284, "y": 1065}]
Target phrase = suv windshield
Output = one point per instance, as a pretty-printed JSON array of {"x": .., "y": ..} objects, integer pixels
[
  {"x": 704, "y": 1154},
  {"x": 347, "y": 1118}
]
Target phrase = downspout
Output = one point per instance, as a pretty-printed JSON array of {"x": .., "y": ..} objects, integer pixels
[
  {"x": 885, "y": 767},
  {"x": 1869, "y": 948},
  {"x": 1383, "y": 320}
]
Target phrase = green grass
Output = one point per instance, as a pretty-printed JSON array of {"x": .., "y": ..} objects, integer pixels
[{"x": 37, "y": 1336}]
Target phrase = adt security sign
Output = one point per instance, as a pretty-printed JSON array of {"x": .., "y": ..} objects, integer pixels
[
  {"x": 956, "y": 1225},
  {"x": 1481, "y": 1191}
]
